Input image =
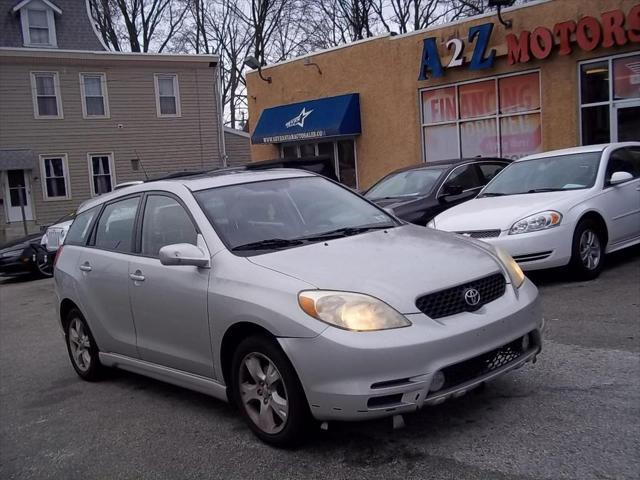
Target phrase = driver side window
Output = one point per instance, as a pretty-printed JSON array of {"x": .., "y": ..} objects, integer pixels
[
  {"x": 465, "y": 177},
  {"x": 165, "y": 222},
  {"x": 624, "y": 160}
]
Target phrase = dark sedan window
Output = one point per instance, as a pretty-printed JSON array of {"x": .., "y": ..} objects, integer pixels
[
  {"x": 490, "y": 170},
  {"x": 406, "y": 184},
  {"x": 465, "y": 177}
]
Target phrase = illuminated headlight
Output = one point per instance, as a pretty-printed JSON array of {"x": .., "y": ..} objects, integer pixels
[
  {"x": 534, "y": 223},
  {"x": 350, "y": 311},
  {"x": 432, "y": 223},
  {"x": 515, "y": 272}
]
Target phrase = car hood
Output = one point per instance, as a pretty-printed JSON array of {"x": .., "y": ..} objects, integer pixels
[
  {"x": 493, "y": 213},
  {"x": 33, "y": 238},
  {"x": 396, "y": 266}
]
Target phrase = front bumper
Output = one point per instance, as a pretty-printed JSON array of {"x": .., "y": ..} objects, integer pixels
[
  {"x": 537, "y": 250},
  {"x": 16, "y": 265},
  {"x": 363, "y": 375}
]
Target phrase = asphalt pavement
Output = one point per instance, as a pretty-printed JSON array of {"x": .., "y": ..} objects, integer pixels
[{"x": 573, "y": 415}]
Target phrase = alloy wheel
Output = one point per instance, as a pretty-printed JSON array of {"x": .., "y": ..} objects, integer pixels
[
  {"x": 263, "y": 393},
  {"x": 590, "y": 250},
  {"x": 80, "y": 345}
]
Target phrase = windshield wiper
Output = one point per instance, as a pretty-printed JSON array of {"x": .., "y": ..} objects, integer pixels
[
  {"x": 492, "y": 194},
  {"x": 271, "y": 243},
  {"x": 540, "y": 190},
  {"x": 346, "y": 232}
]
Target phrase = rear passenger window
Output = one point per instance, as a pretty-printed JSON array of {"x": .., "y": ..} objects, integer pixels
[
  {"x": 115, "y": 227},
  {"x": 165, "y": 222},
  {"x": 79, "y": 230},
  {"x": 490, "y": 170}
]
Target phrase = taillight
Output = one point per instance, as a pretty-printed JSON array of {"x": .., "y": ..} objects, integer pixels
[{"x": 58, "y": 253}]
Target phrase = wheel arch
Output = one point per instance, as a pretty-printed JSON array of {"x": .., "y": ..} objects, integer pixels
[
  {"x": 599, "y": 220},
  {"x": 65, "y": 307}
]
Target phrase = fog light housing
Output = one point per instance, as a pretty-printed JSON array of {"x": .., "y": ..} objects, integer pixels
[
  {"x": 437, "y": 382},
  {"x": 525, "y": 342}
]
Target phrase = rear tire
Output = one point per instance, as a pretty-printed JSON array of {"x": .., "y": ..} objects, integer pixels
[
  {"x": 268, "y": 393},
  {"x": 587, "y": 253},
  {"x": 82, "y": 348}
]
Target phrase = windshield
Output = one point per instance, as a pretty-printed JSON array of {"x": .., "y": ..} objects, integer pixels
[
  {"x": 269, "y": 215},
  {"x": 409, "y": 183},
  {"x": 547, "y": 174}
]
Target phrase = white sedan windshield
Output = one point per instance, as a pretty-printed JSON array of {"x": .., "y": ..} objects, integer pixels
[{"x": 547, "y": 174}]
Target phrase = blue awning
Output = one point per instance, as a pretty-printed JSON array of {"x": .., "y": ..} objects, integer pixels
[{"x": 324, "y": 117}]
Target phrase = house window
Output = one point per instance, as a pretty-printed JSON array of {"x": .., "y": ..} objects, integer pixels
[
  {"x": 55, "y": 177},
  {"x": 610, "y": 99},
  {"x": 93, "y": 88},
  {"x": 38, "y": 24},
  {"x": 102, "y": 172},
  {"x": 167, "y": 95},
  {"x": 46, "y": 95},
  {"x": 499, "y": 116}
]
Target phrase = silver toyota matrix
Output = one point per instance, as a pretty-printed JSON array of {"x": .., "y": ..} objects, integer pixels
[{"x": 289, "y": 295}]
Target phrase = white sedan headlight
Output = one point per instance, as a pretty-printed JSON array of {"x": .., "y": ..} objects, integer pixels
[
  {"x": 350, "y": 311},
  {"x": 536, "y": 222},
  {"x": 515, "y": 272}
]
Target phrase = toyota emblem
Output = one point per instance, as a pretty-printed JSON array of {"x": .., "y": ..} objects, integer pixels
[{"x": 472, "y": 297}]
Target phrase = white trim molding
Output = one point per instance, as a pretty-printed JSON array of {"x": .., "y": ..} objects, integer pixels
[
  {"x": 103, "y": 90},
  {"x": 112, "y": 170},
  {"x": 34, "y": 95},
  {"x": 235, "y": 131},
  {"x": 49, "y": 4},
  {"x": 42, "y": 6},
  {"x": 176, "y": 94},
  {"x": 65, "y": 175}
]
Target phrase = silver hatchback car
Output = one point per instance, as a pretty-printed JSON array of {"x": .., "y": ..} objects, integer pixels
[{"x": 291, "y": 296}]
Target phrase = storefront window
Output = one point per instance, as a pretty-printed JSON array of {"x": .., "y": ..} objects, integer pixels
[
  {"x": 610, "y": 99},
  {"x": 495, "y": 117},
  {"x": 341, "y": 152}
]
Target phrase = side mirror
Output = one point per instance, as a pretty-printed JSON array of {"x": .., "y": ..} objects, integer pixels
[
  {"x": 184, "y": 254},
  {"x": 452, "y": 190},
  {"x": 620, "y": 177}
]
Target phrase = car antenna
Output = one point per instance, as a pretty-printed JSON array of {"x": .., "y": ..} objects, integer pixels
[{"x": 146, "y": 177}]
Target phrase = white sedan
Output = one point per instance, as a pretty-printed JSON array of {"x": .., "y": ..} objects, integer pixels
[{"x": 559, "y": 208}]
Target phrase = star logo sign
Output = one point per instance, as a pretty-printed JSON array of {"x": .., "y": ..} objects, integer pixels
[{"x": 298, "y": 120}]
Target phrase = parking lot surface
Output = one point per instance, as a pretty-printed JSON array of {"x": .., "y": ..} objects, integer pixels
[{"x": 574, "y": 415}]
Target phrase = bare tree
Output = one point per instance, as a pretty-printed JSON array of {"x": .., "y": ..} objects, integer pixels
[{"x": 144, "y": 24}]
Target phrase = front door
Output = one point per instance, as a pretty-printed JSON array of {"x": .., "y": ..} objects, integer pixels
[
  {"x": 169, "y": 303},
  {"x": 17, "y": 193},
  {"x": 626, "y": 118}
]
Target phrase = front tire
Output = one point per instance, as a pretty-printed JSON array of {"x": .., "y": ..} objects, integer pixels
[
  {"x": 267, "y": 391},
  {"x": 587, "y": 253},
  {"x": 81, "y": 346}
]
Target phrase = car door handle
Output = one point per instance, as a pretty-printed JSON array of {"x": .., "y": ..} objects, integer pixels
[
  {"x": 85, "y": 267},
  {"x": 137, "y": 276}
]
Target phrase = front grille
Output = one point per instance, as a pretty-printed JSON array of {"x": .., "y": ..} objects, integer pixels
[
  {"x": 481, "y": 233},
  {"x": 53, "y": 238},
  {"x": 452, "y": 300},
  {"x": 468, "y": 370}
]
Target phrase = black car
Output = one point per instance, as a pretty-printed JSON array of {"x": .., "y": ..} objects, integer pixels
[
  {"x": 419, "y": 193},
  {"x": 25, "y": 256}
]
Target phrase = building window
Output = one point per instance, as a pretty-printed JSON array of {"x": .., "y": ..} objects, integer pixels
[
  {"x": 167, "y": 95},
  {"x": 341, "y": 152},
  {"x": 38, "y": 25},
  {"x": 46, "y": 95},
  {"x": 93, "y": 88},
  {"x": 610, "y": 99},
  {"x": 496, "y": 117},
  {"x": 55, "y": 177},
  {"x": 102, "y": 173}
]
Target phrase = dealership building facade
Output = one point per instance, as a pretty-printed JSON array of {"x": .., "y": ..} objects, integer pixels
[{"x": 563, "y": 73}]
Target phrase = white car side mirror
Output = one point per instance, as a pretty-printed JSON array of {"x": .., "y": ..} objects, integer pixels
[
  {"x": 184, "y": 254},
  {"x": 620, "y": 177}
]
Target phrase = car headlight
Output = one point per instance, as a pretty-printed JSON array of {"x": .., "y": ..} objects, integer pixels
[
  {"x": 515, "y": 272},
  {"x": 536, "y": 222},
  {"x": 350, "y": 311},
  {"x": 432, "y": 223},
  {"x": 12, "y": 253}
]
